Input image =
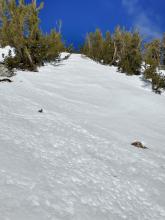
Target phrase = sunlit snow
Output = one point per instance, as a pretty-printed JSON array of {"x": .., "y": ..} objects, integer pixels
[{"x": 75, "y": 161}]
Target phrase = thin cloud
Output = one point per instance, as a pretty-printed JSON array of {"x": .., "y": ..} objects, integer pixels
[{"x": 141, "y": 19}]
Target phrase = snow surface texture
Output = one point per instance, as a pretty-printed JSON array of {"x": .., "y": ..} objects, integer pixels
[{"x": 75, "y": 161}]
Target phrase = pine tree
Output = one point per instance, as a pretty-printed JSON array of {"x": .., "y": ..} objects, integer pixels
[
  {"x": 54, "y": 45},
  {"x": 162, "y": 58},
  {"x": 87, "y": 48},
  {"x": 97, "y": 45},
  {"x": 152, "y": 60},
  {"x": 93, "y": 46},
  {"x": 20, "y": 29},
  {"x": 152, "y": 53},
  {"x": 122, "y": 50},
  {"x": 118, "y": 45},
  {"x": 130, "y": 55},
  {"x": 108, "y": 49}
]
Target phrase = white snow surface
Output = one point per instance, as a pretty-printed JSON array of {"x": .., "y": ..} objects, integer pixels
[
  {"x": 4, "y": 52},
  {"x": 75, "y": 160},
  {"x": 64, "y": 55},
  {"x": 163, "y": 72}
]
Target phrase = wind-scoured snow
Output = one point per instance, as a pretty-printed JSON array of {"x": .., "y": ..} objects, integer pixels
[{"x": 75, "y": 161}]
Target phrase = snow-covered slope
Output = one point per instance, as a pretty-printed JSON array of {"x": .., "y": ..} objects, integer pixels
[{"x": 75, "y": 160}]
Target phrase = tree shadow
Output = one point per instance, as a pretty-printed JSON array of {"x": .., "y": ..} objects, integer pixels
[
  {"x": 146, "y": 83},
  {"x": 58, "y": 64}
]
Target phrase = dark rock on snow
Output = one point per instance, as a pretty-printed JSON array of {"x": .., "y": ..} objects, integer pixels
[
  {"x": 138, "y": 144},
  {"x": 40, "y": 111}
]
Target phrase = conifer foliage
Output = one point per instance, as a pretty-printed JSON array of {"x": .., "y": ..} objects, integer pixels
[
  {"x": 94, "y": 45},
  {"x": 130, "y": 55},
  {"x": 125, "y": 50},
  {"x": 122, "y": 49},
  {"x": 152, "y": 61},
  {"x": 20, "y": 29},
  {"x": 162, "y": 61},
  {"x": 108, "y": 49}
]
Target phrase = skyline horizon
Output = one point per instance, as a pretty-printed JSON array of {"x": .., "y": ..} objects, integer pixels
[{"x": 82, "y": 17}]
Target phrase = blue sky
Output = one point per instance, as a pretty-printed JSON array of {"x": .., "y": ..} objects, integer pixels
[{"x": 82, "y": 16}]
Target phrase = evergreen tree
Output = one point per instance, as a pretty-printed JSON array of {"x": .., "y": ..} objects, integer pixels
[
  {"x": 93, "y": 47},
  {"x": 97, "y": 45},
  {"x": 152, "y": 60},
  {"x": 130, "y": 55},
  {"x": 152, "y": 53},
  {"x": 54, "y": 45},
  {"x": 108, "y": 49},
  {"x": 87, "y": 48},
  {"x": 118, "y": 45},
  {"x": 20, "y": 29},
  {"x": 122, "y": 50},
  {"x": 71, "y": 49},
  {"x": 162, "y": 58}
]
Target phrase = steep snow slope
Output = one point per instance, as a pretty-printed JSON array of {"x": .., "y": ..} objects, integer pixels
[{"x": 75, "y": 160}]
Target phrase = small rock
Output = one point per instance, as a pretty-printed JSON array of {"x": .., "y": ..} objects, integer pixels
[
  {"x": 40, "y": 111},
  {"x": 138, "y": 144}
]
